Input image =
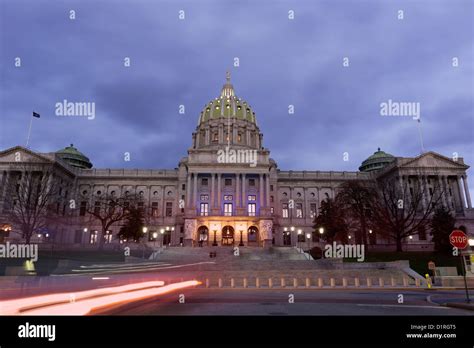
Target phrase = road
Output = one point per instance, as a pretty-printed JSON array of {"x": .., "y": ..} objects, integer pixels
[{"x": 200, "y": 301}]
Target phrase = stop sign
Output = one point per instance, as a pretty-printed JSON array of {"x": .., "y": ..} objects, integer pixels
[{"x": 458, "y": 239}]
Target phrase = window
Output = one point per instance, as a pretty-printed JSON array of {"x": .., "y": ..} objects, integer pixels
[
  {"x": 169, "y": 209},
  {"x": 252, "y": 207},
  {"x": 93, "y": 237},
  {"x": 284, "y": 212},
  {"x": 97, "y": 208},
  {"x": 252, "y": 198},
  {"x": 204, "y": 197},
  {"x": 141, "y": 206},
  {"x": 239, "y": 137},
  {"x": 204, "y": 181},
  {"x": 82, "y": 209},
  {"x": 227, "y": 209},
  {"x": 228, "y": 182},
  {"x": 271, "y": 210},
  {"x": 204, "y": 209},
  {"x": 251, "y": 182},
  {"x": 299, "y": 210},
  {"x": 108, "y": 237},
  {"x": 227, "y": 198},
  {"x": 215, "y": 138},
  {"x": 271, "y": 187},
  {"x": 271, "y": 199},
  {"x": 183, "y": 187},
  {"x": 154, "y": 209},
  {"x": 312, "y": 209},
  {"x": 301, "y": 238}
]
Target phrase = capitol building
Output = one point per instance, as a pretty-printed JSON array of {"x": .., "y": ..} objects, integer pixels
[{"x": 226, "y": 191}]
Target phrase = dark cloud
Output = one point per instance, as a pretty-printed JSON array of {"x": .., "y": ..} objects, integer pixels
[{"x": 282, "y": 62}]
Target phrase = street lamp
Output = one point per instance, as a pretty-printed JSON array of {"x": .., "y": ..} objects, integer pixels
[
  {"x": 241, "y": 241},
  {"x": 145, "y": 229},
  {"x": 162, "y": 231},
  {"x": 214, "y": 243},
  {"x": 308, "y": 236},
  {"x": 155, "y": 235},
  {"x": 321, "y": 230},
  {"x": 299, "y": 234}
]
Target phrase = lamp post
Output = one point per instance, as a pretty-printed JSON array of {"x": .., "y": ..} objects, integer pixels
[
  {"x": 308, "y": 236},
  {"x": 214, "y": 243},
  {"x": 155, "y": 235},
  {"x": 298, "y": 238},
  {"x": 162, "y": 231},
  {"x": 241, "y": 241},
  {"x": 144, "y": 230}
]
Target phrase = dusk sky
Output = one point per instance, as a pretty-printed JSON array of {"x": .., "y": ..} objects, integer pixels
[{"x": 282, "y": 62}]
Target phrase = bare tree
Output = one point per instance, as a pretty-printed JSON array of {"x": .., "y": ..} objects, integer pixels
[
  {"x": 400, "y": 210},
  {"x": 355, "y": 198},
  {"x": 108, "y": 210},
  {"x": 31, "y": 196}
]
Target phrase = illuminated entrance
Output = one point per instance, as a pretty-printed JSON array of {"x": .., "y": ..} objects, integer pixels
[{"x": 228, "y": 235}]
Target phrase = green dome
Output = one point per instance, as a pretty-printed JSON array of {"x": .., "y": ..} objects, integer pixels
[
  {"x": 74, "y": 157},
  {"x": 377, "y": 161},
  {"x": 227, "y": 105}
]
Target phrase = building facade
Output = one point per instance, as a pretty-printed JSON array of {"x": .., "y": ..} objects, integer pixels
[{"x": 226, "y": 191}]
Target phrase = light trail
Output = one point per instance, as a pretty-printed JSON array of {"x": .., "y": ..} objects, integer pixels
[
  {"x": 15, "y": 307},
  {"x": 89, "y": 306}
]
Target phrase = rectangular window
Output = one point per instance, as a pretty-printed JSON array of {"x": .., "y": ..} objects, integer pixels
[
  {"x": 204, "y": 197},
  {"x": 299, "y": 210},
  {"x": 271, "y": 210},
  {"x": 183, "y": 187},
  {"x": 252, "y": 198},
  {"x": 227, "y": 197},
  {"x": 141, "y": 206},
  {"x": 204, "y": 181},
  {"x": 228, "y": 182},
  {"x": 421, "y": 233},
  {"x": 284, "y": 212},
  {"x": 93, "y": 237},
  {"x": 169, "y": 209},
  {"x": 251, "y": 182},
  {"x": 312, "y": 209},
  {"x": 108, "y": 237},
  {"x": 252, "y": 208},
  {"x": 97, "y": 208},
  {"x": 204, "y": 209},
  {"x": 154, "y": 209},
  {"x": 82, "y": 210},
  {"x": 228, "y": 209},
  {"x": 271, "y": 187}
]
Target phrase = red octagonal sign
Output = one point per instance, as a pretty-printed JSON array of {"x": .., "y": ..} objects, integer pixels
[{"x": 458, "y": 239}]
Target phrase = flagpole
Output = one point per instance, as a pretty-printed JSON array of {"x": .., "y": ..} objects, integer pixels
[
  {"x": 421, "y": 136},
  {"x": 29, "y": 131}
]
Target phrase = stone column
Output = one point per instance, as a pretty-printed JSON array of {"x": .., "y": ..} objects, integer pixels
[
  {"x": 449, "y": 198},
  {"x": 188, "y": 191},
  {"x": 244, "y": 195},
  {"x": 461, "y": 196},
  {"x": 421, "y": 188},
  {"x": 219, "y": 196},
  {"x": 237, "y": 191},
  {"x": 194, "y": 199},
  {"x": 212, "y": 191},
  {"x": 443, "y": 192},
  {"x": 267, "y": 189},
  {"x": 261, "y": 191},
  {"x": 466, "y": 191},
  {"x": 305, "y": 208},
  {"x": 163, "y": 189},
  {"x": 208, "y": 137}
]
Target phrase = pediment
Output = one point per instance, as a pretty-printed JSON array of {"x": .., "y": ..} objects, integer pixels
[
  {"x": 434, "y": 160},
  {"x": 21, "y": 154}
]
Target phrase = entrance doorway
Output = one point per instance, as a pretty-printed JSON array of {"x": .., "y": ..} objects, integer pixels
[
  {"x": 203, "y": 236},
  {"x": 286, "y": 238},
  {"x": 252, "y": 236},
  {"x": 228, "y": 235}
]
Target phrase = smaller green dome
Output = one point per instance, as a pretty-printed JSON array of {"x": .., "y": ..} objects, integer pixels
[
  {"x": 74, "y": 157},
  {"x": 377, "y": 161}
]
